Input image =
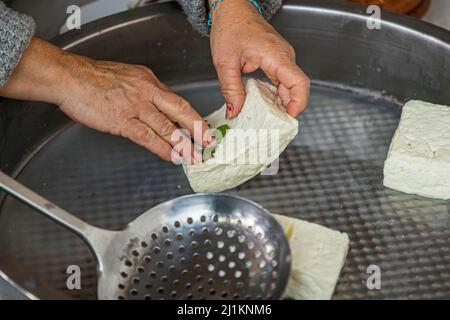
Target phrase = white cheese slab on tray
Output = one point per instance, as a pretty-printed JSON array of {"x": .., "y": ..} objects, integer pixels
[
  {"x": 318, "y": 256},
  {"x": 418, "y": 161}
]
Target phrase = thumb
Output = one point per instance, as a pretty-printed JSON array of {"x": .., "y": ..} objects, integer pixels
[{"x": 232, "y": 87}]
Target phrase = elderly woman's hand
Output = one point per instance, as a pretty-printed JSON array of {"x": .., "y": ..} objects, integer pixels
[
  {"x": 129, "y": 101},
  {"x": 242, "y": 42},
  {"x": 124, "y": 100}
]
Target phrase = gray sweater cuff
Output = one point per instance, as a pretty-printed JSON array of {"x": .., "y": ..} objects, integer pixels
[
  {"x": 16, "y": 31},
  {"x": 197, "y": 12}
]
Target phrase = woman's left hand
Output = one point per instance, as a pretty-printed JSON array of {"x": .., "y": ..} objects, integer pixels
[{"x": 242, "y": 42}]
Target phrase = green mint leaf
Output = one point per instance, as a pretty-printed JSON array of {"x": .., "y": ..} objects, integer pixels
[{"x": 208, "y": 153}]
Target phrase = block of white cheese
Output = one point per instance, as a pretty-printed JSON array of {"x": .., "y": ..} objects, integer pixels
[
  {"x": 255, "y": 138},
  {"x": 318, "y": 255},
  {"x": 418, "y": 161}
]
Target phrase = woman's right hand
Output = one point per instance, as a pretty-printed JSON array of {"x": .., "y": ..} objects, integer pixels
[
  {"x": 129, "y": 101},
  {"x": 120, "y": 99}
]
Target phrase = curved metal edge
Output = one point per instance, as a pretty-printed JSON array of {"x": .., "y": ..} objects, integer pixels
[
  {"x": 221, "y": 194},
  {"x": 88, "y": 31},
  {"x": 359, "y": 11},
  {"x": 17, "y": 292},
  {"x": 72, "y": 38},
  {"x": 413, "y": 25}
]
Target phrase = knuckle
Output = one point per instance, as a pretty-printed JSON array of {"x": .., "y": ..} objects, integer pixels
[
  {"x": 152, "y": 91},
  {"x": 183, "y": 106},
  {"x": 145, "y": 76},
  {"x": 151, "y": 138},
  {"x": 232, "y": 85},
  {"x": 286, "y": 57},
  {"x": 306, "y": 81},
  {"x": 144, "y": 70},
  {"x": 232, "y": 88},
  {"x": 140, "y": 68},
  {"x": 140, "y": 134},
  {"x": 143, "y": 80},
  {"x": 150, "y": 73},
  {"x": 166, "y": 129},
  {"x": 220, "y": 63},
  {"x": 291, "y": 50},
  {"x": 230, "y": 91}
]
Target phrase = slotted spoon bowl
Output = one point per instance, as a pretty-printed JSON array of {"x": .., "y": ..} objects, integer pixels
[{"x": 203, "y": 246}]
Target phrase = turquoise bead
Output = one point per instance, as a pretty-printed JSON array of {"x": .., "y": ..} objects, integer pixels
[{"x": 255, "y": 3}]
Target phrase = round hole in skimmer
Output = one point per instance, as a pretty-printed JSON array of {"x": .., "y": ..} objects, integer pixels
[{"x": 218, "y": 253}]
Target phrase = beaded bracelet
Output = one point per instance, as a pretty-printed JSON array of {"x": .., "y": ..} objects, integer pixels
[{"x": 214, "y": 6}]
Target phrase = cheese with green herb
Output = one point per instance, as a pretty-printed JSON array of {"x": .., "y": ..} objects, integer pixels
[{"x": 252, "y": 141}]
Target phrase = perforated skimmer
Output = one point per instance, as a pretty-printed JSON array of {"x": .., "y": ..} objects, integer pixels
[{"x": 204, "y": 246}]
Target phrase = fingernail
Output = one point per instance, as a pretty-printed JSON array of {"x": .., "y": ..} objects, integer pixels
[{"x": 230, "y": 110}]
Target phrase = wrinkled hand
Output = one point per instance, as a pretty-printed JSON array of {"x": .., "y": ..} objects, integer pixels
[
  {"x": 242, "y": 42},
  {"x": 129, "y": 101},
  {"x": 121, "y": 99}
]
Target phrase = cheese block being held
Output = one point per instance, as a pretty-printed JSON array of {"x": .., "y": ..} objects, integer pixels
[
  {"x": 418, "y": 161},
  {"x": 253, "y": 140},
  {"x": 318, "y": 255}
]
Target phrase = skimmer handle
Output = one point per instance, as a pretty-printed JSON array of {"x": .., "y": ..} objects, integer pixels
[{"x": 32, "y": 199}]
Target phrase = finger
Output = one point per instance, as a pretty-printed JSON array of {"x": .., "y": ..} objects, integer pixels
[
  {"x": 298, "y": 84},
  {"x": 274, "y": 81},
  {"x": 232, "y": 86},
  {"x": 250, "y": 67},
  {"x": 271, "y": 73},
  {"x": 140, "y": 133},
  {"x": 153, "y": 118},
  {"x": 185, "y": 148},
  {"x": 167, "y": 130},
  {"x": 283, "y": 93},
  {"x": 180, "y": 111},
  {"x": 190, "y": 153}
]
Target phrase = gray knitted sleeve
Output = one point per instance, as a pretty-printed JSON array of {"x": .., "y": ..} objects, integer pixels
[
  {"x": 196, "y": 12},
  {"x": 16, "y": 31}
]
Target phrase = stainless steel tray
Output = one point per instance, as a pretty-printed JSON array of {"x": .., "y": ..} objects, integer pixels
[{"x": 331, "y": 173}]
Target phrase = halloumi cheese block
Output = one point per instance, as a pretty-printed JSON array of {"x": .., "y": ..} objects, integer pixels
[
  {"x": 418, "y": 161},
  {"x": 255, "y": 138},
  {"x": 318, "y": 255}
]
